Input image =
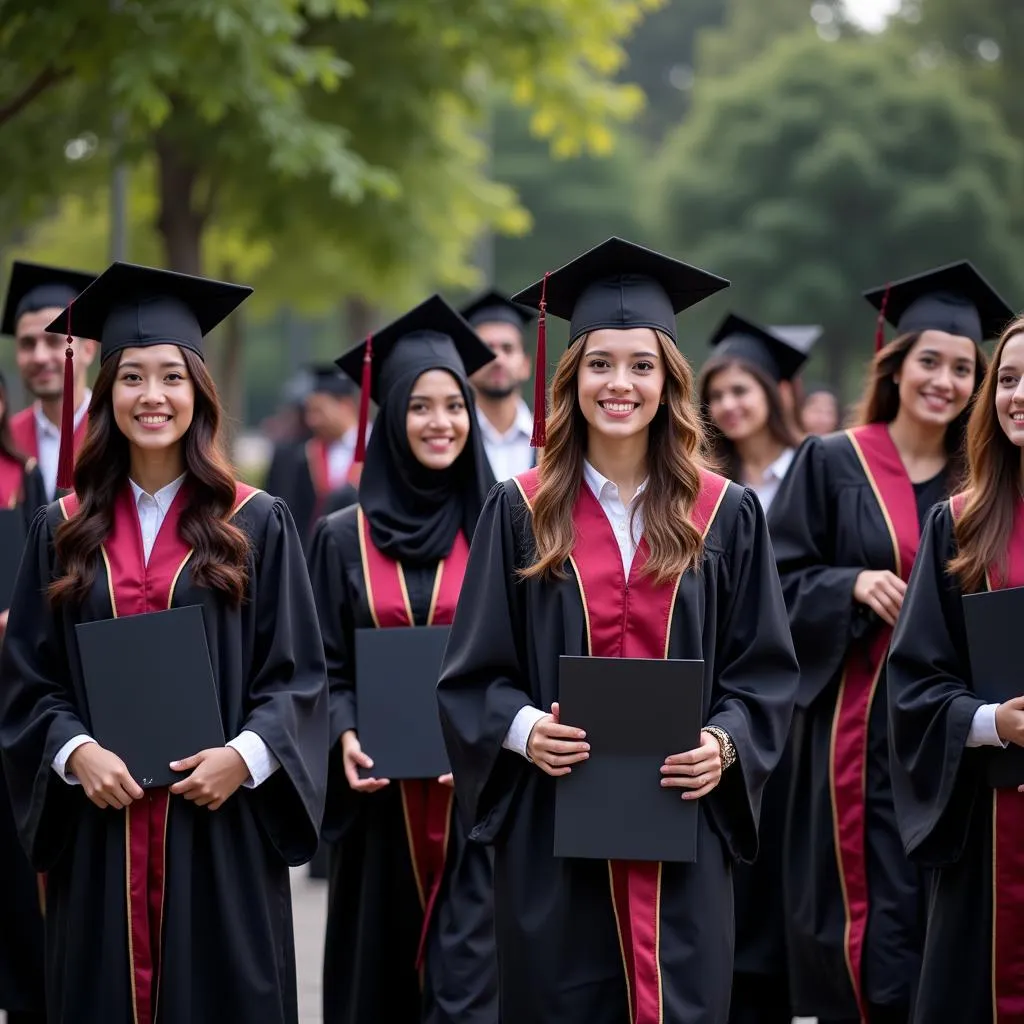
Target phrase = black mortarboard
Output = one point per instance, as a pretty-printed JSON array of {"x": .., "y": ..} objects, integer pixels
[
  {"x": 616, "y": 285},
  {"x": 954, "y": 298},
  {"x": 431, "y": 326},
  {"x": 329, "y": 380},
  {"x": 129, "y": 306},
  {"x": 493, "y": 307},
  {"x": 34, "y": 286},
  {"x": 801, "y": 336},
  {"x": 738, "y": 337}
]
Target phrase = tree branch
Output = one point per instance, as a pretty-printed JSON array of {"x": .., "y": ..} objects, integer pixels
[{"x": 46, "y": 79}]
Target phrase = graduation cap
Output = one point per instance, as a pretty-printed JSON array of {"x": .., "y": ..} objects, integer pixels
[
  {"x": 34, "y": 286},
  {"x": 492, "y": 307},
  {"x": 738, "y": 337},
  {"x": 327, "y": 379},
  {"x": 130, "y": 306},
  {"x": 617, "y": 285},
  {"x": 954, "y": 298},
  {"x": 801, "y": 336},
  {"x": 431, "y": 327}
]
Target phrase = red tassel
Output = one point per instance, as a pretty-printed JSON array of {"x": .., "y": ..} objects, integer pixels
[
  {"x": 540, "y": 382},
  {"x": 880, "y": 326},
  {"x": 364, "y": 402},
  {"x": 66, "y": 458}
]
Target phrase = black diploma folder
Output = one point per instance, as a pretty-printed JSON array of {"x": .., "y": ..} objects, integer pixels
[
  {"x": 993, "y": 619},
  {"x": 396, "y": 690},
  {"x": 151, "y": 692},
  {"x": 12, "y": 545},
  {"x": 635, "y": 713}
]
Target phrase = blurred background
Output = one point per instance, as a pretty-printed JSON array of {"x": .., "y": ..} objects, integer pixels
[{"x": 348, "y": 157}]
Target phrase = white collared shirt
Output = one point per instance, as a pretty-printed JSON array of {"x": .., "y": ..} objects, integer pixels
[
  {"x": 618, "y": 514},
  {"x": 508, "y": 453},
  {"x": 340, "y": 454},
  {"x": 152, "y": 509},
  {"x": 773, "y": 477},
  {"x": 48, "y": 442}
]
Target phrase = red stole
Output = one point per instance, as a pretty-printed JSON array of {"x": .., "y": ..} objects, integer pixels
[
  {"x": 894, "y": 493},
  {"x": 12, "y": 477},
  {"x": 426, "y": 804},
  {"x": 23, "y": 432},
  {"x": 319, "y": 472},
  {"x": 135, "y": 588},
  {"x": 629, "y": 618},
  {"x": 1007, "y": 832}
]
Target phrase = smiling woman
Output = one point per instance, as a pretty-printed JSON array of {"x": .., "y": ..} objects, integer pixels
[{"x": 198, "y": 872}]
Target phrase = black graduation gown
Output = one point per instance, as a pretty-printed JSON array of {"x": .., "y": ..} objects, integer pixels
[
  {"x": 21, "y": 922},
  {"x": 945, "y": 807},
  {"x": 227, "y": 951},
  {"x": 374, "y": 911},
  {"x": 559, "y": 954},
  {"x": 827, "y": 526},
  {"x": 290, "y": 477}
]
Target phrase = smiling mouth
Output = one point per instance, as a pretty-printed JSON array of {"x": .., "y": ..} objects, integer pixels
[
  {"x": 936, "y": 399},
  {"x": 1017, "y": 417},
  {"x": 618, "y": 408},
  {"x": 439, "y": 442},
  {"x": 153, "y": 420}
]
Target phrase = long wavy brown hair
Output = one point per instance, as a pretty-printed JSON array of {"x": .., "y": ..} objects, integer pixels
[
  {"x": 881, "y": 399},
  {"x": 722, "y": 451},
  {"x": 993, "y": 485},
  {"x": 675, "y": 457},
  {"x": 220, "y": 549}
]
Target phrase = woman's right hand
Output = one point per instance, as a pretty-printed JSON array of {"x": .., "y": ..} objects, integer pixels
[
  {"x": 104, "y": 776},
  {"x": 553, "y": 747},
  {"x": 353, "y": 757},
  {"x": 882, "y": 591}
]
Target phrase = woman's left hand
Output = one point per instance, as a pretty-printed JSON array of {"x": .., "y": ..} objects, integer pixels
[
  {"x": 216, "y": 774},
  {"x": 447, "y": 780},
  {"x": 697, "y": 771}
]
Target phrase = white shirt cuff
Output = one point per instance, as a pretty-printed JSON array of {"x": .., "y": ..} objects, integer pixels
[
  {"x": 257, "y": 757},
  {"x": 60, "y": 762},
  {"x": 518, "y": 734},
  {"x": 983, "y": 732}
]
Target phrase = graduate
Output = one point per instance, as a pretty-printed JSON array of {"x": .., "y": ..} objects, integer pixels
[
  {"x": 318, "y": 474},
  {"x": 165, "y": 902},
  {"x": 803, "y": 338},
  {"x": 750, "y": 435},
  {"x": 846, "y": 526},
  {"x": 410, "y": 932},
  {"x": 951, "y": 819},
  {"x": 505, "y": 419},
  {"x": 619, "y": 544},
  {"x": 21, "y": 924},
  {"x": 752, "y": 441},
  {"x": 820, "y": 412},
  {"x": 35, "y": 295}
]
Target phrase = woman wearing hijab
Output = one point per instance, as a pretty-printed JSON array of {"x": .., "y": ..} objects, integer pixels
[{"x": 409, "y": 927}]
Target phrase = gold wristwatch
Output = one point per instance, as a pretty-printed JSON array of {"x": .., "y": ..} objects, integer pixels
[{"x": 725, "y": 742}]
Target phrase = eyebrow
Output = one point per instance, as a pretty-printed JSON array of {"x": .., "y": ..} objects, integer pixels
[
  {"x": 427, "y": 398},
  {"x": 633, "y": 355},
  {"x": 163, "y": 366},
  {"x": 935, "y": 352}
]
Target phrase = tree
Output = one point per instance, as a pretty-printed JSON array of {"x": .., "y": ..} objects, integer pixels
[
  {"x": 818, "y": 170},
  {"x": 341, "y": 135}
]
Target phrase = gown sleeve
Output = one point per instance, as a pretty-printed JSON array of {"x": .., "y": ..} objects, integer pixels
[
  {"x": 483, "y": 683},
  {"x": 38, "y": 712},
  {"x": 823, "y": 616},
  {"x": 931, "y": 706},
  {"x": 756, "y": 678},
  {"x": 287, "y": 691},
  {"x": 34, "y": 492},
  {"x": 334, "y": 606}
]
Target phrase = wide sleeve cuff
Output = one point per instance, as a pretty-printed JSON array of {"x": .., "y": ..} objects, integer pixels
[{"x": 983, "y": 732}]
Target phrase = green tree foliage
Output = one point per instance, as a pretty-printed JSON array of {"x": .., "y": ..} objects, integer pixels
[{"x": 820, "y": 169}]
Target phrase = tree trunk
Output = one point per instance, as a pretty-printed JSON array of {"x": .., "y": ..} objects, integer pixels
[
  {"x": 358, "y": 319},
  {"x": 179, "y": 222},
  {"x": 230, "y": 372}
]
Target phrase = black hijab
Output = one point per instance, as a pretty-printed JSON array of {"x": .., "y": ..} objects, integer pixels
[{"x": 415, "y": 512}]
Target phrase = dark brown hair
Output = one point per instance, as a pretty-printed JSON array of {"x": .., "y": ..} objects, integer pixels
[
  {"x": 993, "y": 485},
  {"x": 220, "y": 549},
  {"x": 675, "y": 458},
  {"x": 722, "y": 450},
  {"x": 6, "y": 441},
  {"x": 881, "y": 399}
]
